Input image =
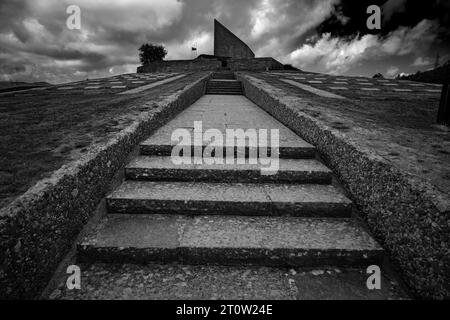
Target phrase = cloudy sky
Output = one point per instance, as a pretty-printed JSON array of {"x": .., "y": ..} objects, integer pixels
[{"x": 315, "y": 35}]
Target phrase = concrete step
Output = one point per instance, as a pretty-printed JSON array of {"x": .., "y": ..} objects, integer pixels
[
  {"x": 223, "y": 80},
  {"x": 224, "y": 89},
  {"x": 223, "y": 75},
  {"x": 224, "y": 84},
  {"x": 163, "y": 168},
  {"x": 102, "y": 281},
  {"x": 230, "y": 240},
  {"x": 294, "y": 149},
  {"x": 225, "y": 93},
  {"x": 230, "y": 87},
  {"x": 265, "y": 199}
]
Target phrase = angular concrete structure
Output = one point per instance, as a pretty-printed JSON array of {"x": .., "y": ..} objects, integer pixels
[
  {"x": 226, "y": 44},
  {"x": 230, "y": 53}
]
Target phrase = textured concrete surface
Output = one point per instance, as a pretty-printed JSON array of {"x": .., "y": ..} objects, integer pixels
[
  {"x": 227, "y": 44},
  {"x": 39, "y": 227},
  {"x": 290, "y": 170},
  {"x": 179, "y": 66},
  {"x": 406, "y": 213},
  {"x": 228, "y": 198},
  {"x": 230, "y": 240},
  {"x": 226, "y": 112},
  {"x": 183, "y": 282}
]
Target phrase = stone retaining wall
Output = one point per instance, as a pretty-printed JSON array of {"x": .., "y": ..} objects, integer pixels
[
  {"x": 180, "y": 66},
  {"x": 249, "y": 64},
  {"x": 38, "y": 228},
  {"x": 407, "y": 215},
  {"x": 255, "y": 64}
]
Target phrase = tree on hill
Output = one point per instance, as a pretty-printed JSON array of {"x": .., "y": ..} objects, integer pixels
[
  {"x": 151, "y": 52},
  {"x": 378, "y": 76}
]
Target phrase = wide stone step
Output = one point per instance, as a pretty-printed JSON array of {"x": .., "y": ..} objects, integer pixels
[
  {"x": 262, "y": 199},
  {"x": 223, "y": 76},
  {"x": 163, "y": 168},
  {"x": 229, "y": 240},
  {"x": 224, "y": 93},
  {"x": 224, "y": 89},
  {"x": 224, "y": 82},
  {"x": 293, "y": 149},
  {"x": 224, "y": 85}
]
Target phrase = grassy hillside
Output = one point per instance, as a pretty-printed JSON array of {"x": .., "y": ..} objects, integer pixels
[{"x": 9, "y": 84}]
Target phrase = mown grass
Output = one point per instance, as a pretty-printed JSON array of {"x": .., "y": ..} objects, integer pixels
[
  {"x": 40, "y": 132},
  {"x": 400, "y": 126}
]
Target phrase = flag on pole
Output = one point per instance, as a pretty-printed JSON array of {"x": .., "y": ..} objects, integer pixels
[{"x": 193, "y": 50}]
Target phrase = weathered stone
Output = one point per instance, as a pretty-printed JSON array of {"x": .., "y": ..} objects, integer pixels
[
  {"x": 290, "y": 170},
  {"x": 228, "y": 198},
  {"x": 48, "y": 217},
  {"x": 280, "y": 241},
  {"x": 400, "y": 208}
]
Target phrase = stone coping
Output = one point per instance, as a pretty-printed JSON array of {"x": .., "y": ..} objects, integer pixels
[
  {"x": 39, "y": 227},
  {"x": 408, "y": 216}
]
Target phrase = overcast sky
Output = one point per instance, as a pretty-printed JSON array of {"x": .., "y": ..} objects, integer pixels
[{"x": 315, "y": 35}]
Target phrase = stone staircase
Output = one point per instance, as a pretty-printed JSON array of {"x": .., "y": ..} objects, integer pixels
[
  {"x": 229, "y": 214},
  {"x": 224, "y": 83},
  {"x": 226, "y": 215}
]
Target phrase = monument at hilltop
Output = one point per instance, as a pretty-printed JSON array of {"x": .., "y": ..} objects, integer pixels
[
  {"x": 230, "y": 53},
  {"x": 227, "y": 44}
]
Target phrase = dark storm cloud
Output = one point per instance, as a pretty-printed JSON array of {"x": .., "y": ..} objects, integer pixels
[
  {"x": 413, "y": 32},
  {"x": 35, "y": 33},
  {"x": 35, "y": 43},
  {"x": 395, "y": 14}
]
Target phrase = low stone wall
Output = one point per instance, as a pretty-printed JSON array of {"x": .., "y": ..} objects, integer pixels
[
  {"x": 180, "y": 66},
  {"x": 250, "y": 64},
  {"x": 407, "y": 216},
  {"x": 38, "y": 228},
  {"x": 255, "y": 64}
]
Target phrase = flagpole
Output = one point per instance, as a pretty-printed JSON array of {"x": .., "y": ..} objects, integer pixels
[{"x": 193, "y": 48}]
